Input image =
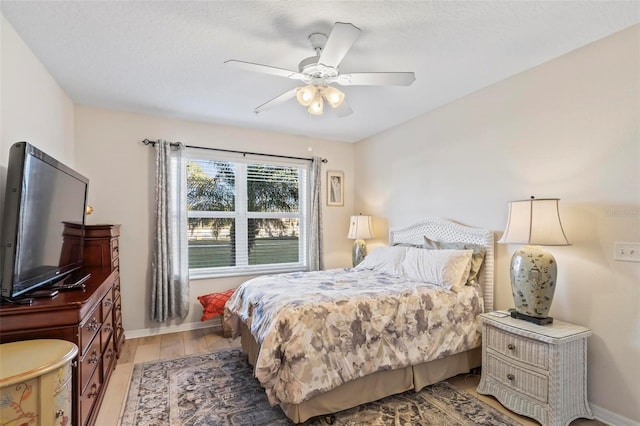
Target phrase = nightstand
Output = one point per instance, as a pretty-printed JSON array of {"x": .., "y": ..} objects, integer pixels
[{"x": 539, "y": 371}]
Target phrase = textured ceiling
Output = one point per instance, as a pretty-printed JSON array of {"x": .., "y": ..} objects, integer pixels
[{"x": 166, "y": 58}]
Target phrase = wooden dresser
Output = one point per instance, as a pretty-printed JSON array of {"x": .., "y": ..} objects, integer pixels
[{"x": 90, "y": 317}]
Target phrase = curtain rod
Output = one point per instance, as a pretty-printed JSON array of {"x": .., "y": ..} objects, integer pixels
[{"x": 153, "y": 143}]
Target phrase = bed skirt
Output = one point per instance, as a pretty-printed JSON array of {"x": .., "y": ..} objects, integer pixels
[{"x": 372, "y": 387}]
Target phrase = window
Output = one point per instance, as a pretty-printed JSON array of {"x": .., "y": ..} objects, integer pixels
[{"x": 245, "y": 216}]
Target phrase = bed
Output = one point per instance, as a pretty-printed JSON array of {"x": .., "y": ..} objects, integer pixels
[{"x": 321, "y": 342}]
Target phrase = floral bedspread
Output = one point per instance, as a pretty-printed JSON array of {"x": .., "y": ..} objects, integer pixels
[{"x": 318, "y": 330}]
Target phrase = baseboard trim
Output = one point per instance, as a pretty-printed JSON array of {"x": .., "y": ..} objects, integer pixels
[
  {"x": 215, "y": 324},
  {"x": 611, "y": 418}
]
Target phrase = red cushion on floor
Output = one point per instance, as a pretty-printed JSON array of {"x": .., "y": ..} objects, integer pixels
[{"x": 213, "y": 304}]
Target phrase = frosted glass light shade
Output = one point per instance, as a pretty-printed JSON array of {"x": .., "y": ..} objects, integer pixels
[
  {"x": 305, "y": 95},
  {"x": 313, "y": 97},
  {"x": 360, "y": 228},
  {"x": 316, "y": 106},
  {"x": 334, "y": 96},
  {"x": 534, "y": 221}
]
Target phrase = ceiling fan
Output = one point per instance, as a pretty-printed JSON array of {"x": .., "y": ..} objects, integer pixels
[{"x": 320, "y": 71}]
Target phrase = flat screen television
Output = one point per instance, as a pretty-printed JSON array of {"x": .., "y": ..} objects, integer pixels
[{"x": 42, "y": 194}]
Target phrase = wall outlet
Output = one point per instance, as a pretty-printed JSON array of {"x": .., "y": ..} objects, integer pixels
[{"x": 628, "y": 252}]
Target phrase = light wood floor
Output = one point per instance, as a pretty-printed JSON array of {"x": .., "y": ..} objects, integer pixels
[{"x": 174, "y": 345}]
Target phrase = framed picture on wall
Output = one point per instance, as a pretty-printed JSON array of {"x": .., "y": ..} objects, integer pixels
[{"x": 335, "y": 188}]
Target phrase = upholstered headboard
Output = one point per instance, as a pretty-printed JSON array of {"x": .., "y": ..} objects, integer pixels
[{"x": 445, "y": 230}]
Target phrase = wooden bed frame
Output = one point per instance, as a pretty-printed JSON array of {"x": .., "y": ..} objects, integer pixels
[{"x": 384, "y": 383}]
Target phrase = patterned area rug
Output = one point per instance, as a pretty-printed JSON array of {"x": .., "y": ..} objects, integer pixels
[{"x": 218, "y": 388}]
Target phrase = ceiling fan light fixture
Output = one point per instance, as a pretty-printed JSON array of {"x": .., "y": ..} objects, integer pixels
[
  {"x": 316, "y": 105},
  {"x": 306, "y": 94},
  {"x": 317, "y": 72},
  {"x": 334, "y": 96}
]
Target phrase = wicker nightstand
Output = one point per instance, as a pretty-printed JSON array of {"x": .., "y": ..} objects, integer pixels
[{"x": 537, "y": 371}]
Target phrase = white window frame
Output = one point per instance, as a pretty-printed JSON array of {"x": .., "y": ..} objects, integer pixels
[{"x": 241, "y": 215}]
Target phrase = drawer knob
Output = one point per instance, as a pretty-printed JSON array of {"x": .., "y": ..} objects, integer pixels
[
  {"x": 511, "y": 346},
  {"x": 93, "y": 325},
  {"x": 59, "y": 413},
  {"x": 94, "y": 391},
  {"x": 510, "y": 376}
]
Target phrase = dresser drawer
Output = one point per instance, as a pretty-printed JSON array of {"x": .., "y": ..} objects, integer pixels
[
  {"x": 88, "y": 363},
  {"x": 108, "y": 359},
  {"x": 115, "y": 249},
  {"x": 107, "y": 304},
  {"x": 106, "y": 331},
  {"x": 518, "y": 348},
  {"x": 118, "y": 330},
  {"x": 527, "y": 382},
  {"x": 89, "y": 328},
  {"x": 88, "y": 398},
  {"x": 116, "y": 289}
]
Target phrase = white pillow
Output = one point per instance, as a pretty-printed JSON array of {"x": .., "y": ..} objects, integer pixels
[
  {"x": 384, "y": 259},
  {"x": 445, "y": 268}
]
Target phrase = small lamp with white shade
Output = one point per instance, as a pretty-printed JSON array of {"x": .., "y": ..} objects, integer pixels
[
  {"x": 359, "y": 230},
  {"x": 534, "y": 222}
]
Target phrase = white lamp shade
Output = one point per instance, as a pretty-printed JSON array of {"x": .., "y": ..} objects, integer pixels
[
  {"x": 534, "y": 221},
  {"x": 360, "y": 228}
]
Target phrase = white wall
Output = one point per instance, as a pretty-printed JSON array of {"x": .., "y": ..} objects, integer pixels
[
  {"x": 121, "y": 172},
  {"x": 33, "y": 107},
  {"x": 569, "y": 129}
]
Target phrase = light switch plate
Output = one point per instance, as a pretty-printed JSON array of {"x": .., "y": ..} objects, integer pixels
[{"x": 628, "y": 252}]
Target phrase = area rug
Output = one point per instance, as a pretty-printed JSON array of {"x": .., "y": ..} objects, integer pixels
[{"x": 218, "y": 388}]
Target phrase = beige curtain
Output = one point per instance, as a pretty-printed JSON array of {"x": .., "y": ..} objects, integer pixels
[
  {"x": 315, "y": 235},
  {"x": 170, "y": 272}
]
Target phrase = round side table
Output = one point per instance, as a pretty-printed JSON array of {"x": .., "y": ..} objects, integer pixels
[{"x": 35, "y": 381}]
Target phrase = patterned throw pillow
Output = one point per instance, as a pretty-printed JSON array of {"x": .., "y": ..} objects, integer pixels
[{"x": 213, "y": 304}]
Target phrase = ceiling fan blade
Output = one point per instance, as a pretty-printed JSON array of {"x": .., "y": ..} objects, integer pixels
[
  {"x": 276, "y": 101},
  {"x": 343, "y": 110},
  {"x": 376, "y": 79},
  {"x": 342, "y": 37},
  {"x": 266, "y": 69}
]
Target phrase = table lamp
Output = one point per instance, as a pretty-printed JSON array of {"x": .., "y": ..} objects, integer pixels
[
  {"x": 359, "y": 230},
  {"x": 534, "y": 222}
]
